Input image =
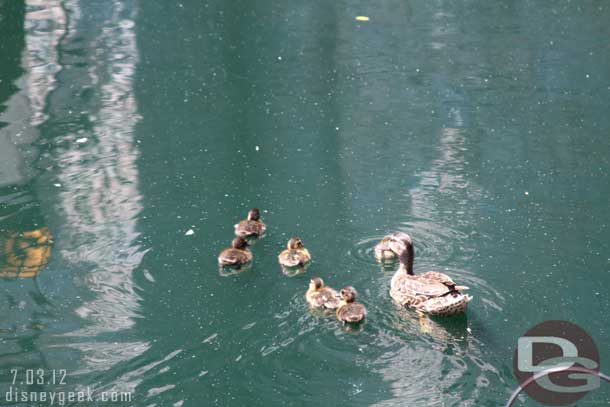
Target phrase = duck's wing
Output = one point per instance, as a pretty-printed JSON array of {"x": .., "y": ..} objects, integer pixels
[
  {"x": 250, "y": 228},
  {"x": 324, "y": 298},
  {"x": 443, "y": 279},
  {"x": 293, "y": 258},
  {"x": 418, "y": 285},
  {"x": 437, "y": 276},
  {"x": 354, "y": 312},
  {"x": 446, "y": 305},
  {"x": 234, "y": 256},
  {"x": 330, "y": 298}
]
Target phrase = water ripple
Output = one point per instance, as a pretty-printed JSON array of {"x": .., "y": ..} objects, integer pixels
[{"x": 433, "y": 244}]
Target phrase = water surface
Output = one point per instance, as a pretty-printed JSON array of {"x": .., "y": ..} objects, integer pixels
[{"x": 480, "y": 128}]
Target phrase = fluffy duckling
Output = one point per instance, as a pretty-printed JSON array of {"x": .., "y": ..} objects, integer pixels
[
  {"x": 350, "y": 310},
  {"x": 320, "y": 296},
  {"x": 237, "y": 255},
  {"x": 295, "y": 254},
  {"x": 251, "y": 227},
  {"x": 392, "y": 245}
]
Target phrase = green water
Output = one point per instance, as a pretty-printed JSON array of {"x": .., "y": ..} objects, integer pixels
[{"x": 480, "y": 128}]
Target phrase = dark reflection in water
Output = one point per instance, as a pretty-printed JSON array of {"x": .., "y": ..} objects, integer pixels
[{"x": 90, "y": 197}]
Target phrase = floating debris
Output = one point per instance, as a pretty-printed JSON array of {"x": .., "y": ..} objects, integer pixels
[
  {"x": 82, "y": 140},
  {"x": 257, "y": 148},
  {"x": 210, "y": 338},
  {"x": 362, "y": 18},
  {"x": 189, "y": 232},
  {"x": 248, "y": 326},
  {"x": 148, "y": 276}
]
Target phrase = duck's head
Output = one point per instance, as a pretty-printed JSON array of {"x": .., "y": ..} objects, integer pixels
[
  {"x": 348, "y": 294},
  {"x": 295, "y": 243},
  {"x": 239, "y": 243},
  {"x": 254, "y": 214},
  {"x": 316, "y": 283}
]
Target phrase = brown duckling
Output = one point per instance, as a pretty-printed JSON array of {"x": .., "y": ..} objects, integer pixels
[
  {"x": 320, "y": 296},
  {"x": 295, "y": 254},
  {"x": 350, "y": 310},
  {"x": 237, "y": 255},
  {"x": 251, "y": 227}
]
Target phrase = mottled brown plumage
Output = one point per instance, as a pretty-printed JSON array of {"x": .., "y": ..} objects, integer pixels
[
  {"x": 350, "y": 310},
  {"x": 251, "y": 227},
  {"x": 295, "y": 254},
  {"x": 236, "y": 255},
  {"x": 320, "y": 296},
  {"x": 431, "y": 292}
]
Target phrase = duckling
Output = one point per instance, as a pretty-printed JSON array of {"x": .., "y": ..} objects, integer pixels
[
  {"x": 390, "y": 245},
  {"x": 251, "y": 227},
  {"x": 350, "y": 310},
  {"x": 295, "y": 254},
  {"x": 237, "y": 255},
  {"x": 320, "y": 296}
]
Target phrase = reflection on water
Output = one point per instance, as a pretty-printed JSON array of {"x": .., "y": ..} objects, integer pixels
[
  {"x": 45, "y": 24},
  {"x": 99, "y": 199},
  {"x": 99, "y": 195},
  {"x": 95, "y": 189},
  {"x": 343, "y": 131}
]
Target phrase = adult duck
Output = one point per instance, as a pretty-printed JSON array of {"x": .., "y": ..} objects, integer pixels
[{"x": 431, "y": 292}]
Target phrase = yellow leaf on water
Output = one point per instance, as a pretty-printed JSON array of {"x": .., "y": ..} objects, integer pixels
[{"x": 362, "y": 18}]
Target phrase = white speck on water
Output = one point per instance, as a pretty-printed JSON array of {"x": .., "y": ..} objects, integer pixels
[
  {"x": 57, "y": 185},
  {"x": 469, "y": 330},
  {"x": 203, "y": 373},
  {"x": 257, "y": 148},
  {"x": 587, "y": 76},
  {"x": 526, "y": 193},
  {"x": 148, "y": 276},
  {"x": 189, "y": 232},
  {"x": 279, "y": 58},
  {"x": 237, "y": 359},
  {"x": 82, "y": 140},
  {"x": 248, "y": 326},
  {"x": 210, "y": 338}
]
